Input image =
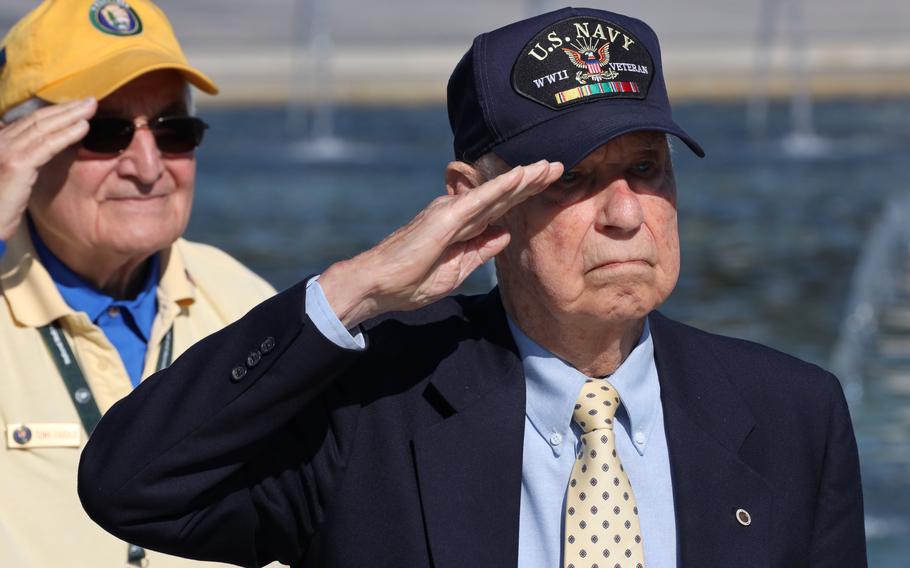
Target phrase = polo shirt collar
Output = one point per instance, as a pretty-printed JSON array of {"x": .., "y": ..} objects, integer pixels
[
  {"x": 82, "y": 296},
  {"x": 35, "y": 301},
  {"x": 33, "y": 298},
  {"x": 176, "y": 283}
]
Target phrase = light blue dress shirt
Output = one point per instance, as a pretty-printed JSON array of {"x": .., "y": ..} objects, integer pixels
[
  {"x": 127, "y": 324},
  {"x": 551, "y": 441}
]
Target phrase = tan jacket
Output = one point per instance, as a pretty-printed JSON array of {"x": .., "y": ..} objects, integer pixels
[{"x": 42, "y": 524}]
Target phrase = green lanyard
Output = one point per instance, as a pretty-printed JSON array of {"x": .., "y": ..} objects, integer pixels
[
  {"x": 81, "y": 393},
  {"x": 74, "y": 378}
]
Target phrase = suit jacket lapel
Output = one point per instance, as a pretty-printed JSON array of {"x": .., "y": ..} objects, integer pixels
[
  {"x": 706, "y": 424},
  {"x": 469, "y": 465}
]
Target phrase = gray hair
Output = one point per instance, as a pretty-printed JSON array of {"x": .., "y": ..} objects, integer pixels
[
  {"x": 26, "y": 108},
  {"x": 22, "y": 110},
  {"x": 490, "y": 165}
]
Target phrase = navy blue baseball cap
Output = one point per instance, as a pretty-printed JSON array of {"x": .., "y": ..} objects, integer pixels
[{"x": 557, "y": 86}]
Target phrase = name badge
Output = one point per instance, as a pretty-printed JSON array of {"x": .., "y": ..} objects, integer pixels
[{"x": 26, "y": 436}]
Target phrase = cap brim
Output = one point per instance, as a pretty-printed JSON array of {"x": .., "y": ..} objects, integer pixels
[
  {"x": 109, "y": 75},
  {"x": 570, "y": 136}
]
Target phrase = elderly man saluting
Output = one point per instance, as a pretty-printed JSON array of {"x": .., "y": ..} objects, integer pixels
[
  {"x": 557, "y": 421},
  {"x": 99, "y": 290}
]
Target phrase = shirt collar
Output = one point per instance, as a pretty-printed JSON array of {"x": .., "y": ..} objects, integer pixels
[
  {"x": 639, "y": 389},
  {"x": 84, "y": 297},
  {"x": 553, "y": 387},
  {"x": 176, "y": 284},
  {"x": 33, "y": 298}
]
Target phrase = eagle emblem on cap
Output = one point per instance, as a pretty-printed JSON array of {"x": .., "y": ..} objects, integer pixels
[{"x": 592, "y": 59}]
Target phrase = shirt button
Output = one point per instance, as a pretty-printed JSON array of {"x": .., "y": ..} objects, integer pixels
[
  {"x": 238, "y": 372},
  {"x": 555, "y": 439},
  {"x": 640, "y": 438},
  {"x": 113, "y": 311}
]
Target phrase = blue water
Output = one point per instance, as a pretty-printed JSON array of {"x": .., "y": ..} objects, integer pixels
[{"x": 769, "y": 241}]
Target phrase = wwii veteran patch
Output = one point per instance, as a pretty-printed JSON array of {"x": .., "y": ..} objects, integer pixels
[{"x": 580, "y": 60}]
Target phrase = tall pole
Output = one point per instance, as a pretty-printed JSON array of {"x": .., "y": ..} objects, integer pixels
[
  {"x": 312, "y": 78},
  {"x": 757, "y": 110},
  {"x": 800, "y": 95},
  {"x": 321, "y": 53}
]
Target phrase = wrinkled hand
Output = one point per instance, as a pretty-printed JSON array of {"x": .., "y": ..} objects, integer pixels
[
  {"x": 29, "y": 143},
  {"x": 433, "y": 254}
]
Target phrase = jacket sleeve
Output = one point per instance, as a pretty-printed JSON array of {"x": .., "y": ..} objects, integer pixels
[
  {"x": 227, "y": 455},
  {"x": 839, "y": 534}
]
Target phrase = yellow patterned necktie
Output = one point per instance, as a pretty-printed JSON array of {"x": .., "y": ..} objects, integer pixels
[{"x": 601, "y": 522}]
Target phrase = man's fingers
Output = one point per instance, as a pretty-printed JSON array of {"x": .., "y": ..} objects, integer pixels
[
  {"x": 493, "y": 192},
  {"x": 496, "y": 201},
  {"x": 482, "y": 248},
  {"x": 536, "y": 183},
  {"x": 60, "y": 122},
  {"x": 48, "y": 121},
  {"x": 541, "y": 179},
  {"x": 490, "y": 243},
  {"x": 45, "y": 149}
]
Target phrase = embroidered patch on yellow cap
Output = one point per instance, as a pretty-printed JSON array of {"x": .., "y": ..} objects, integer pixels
[
  {"x": 115, "y": 17},
  {"x": 580, "y": 60}
]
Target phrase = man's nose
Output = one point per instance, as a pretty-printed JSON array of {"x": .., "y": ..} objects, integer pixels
[
  {"x": 142, "y": 158},
  {"x": 621, "y": 207}
]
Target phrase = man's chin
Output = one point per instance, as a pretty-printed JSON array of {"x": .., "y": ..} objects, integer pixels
[{"x": 139, "y": 245}]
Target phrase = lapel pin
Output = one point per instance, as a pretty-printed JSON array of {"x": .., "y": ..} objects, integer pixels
[{"x": 744, "y": 518}]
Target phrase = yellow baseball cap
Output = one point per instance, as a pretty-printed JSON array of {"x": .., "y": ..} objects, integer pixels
[{"x": 70, "y": 49}]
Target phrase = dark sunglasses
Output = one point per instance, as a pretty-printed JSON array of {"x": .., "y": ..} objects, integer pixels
[{"x": 173, "y": 134}]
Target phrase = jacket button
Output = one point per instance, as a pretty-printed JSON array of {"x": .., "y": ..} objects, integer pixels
[
  {"x": 237, "y": 373},
  {"x": 268, "y": 344},
  {"x": 253, "y": 359},
  {"x": 744, "y": 518}
]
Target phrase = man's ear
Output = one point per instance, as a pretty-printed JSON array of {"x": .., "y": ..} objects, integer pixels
[{"x": 462, "y": 177}]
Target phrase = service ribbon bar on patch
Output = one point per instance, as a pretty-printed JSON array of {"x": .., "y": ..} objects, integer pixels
[
  {"x": 582, "y": 60},
  {"x": 596, "y": 89}
]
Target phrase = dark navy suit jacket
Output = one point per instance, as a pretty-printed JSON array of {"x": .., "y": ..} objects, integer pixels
[{"x": 410, "y": 453}]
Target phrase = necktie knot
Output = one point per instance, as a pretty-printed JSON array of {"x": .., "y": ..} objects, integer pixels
[{"x": 596, "y": 405}]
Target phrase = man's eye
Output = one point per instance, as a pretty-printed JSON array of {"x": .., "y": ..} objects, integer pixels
[
  {"x": 569, "y": 177},
  {"x": 644, "y": 168}
]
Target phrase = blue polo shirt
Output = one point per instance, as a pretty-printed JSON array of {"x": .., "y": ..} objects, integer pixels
[{"x": 127, "y": 324}]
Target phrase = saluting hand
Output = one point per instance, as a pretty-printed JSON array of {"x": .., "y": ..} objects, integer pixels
[
  {"x": 29, "y": 143},
  {"x": 433, "y": 254}
]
